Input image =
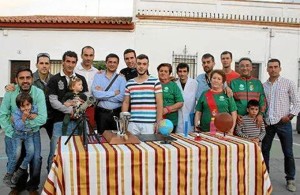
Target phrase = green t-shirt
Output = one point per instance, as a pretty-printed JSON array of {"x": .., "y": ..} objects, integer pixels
[
  {"x": 223, "y": 102},
  {"x": 171, "y": 95}
]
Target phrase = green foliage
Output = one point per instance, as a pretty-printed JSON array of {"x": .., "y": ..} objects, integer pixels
[{"x": 100, "y": 65}]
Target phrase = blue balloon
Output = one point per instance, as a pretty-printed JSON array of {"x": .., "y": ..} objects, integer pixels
[{"x": 165, "y": 127}]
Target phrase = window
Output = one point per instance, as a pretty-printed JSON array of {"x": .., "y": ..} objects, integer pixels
[
  {"x": 191, "y": 60},
  {"x": 55, "y": 66},
  {"x": 255, "y": 69}
]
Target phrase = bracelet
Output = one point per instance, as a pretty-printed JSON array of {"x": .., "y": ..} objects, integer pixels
[{"x": 168, "y": 109}]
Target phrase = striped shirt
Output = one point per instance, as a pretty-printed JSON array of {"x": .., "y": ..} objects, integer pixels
[
  {"x": 142, "y": 99},
  {"x": 282, "y": 99},
  {"x": 248, "y": 129}
]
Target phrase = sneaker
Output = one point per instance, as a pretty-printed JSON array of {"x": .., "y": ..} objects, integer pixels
[
  {"x": 34, "y": 192},
  {"x": 290, "y": 185},
  {"x": 7, "y": 180},
  {"x": 17, "y": 174}
]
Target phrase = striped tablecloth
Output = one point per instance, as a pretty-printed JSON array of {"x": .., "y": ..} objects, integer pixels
[{"x": 211, "y": 166}]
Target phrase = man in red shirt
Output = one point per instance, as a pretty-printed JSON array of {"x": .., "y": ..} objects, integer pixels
[{"x": 226, "y": 60}]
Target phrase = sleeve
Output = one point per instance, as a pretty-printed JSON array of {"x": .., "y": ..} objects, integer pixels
[
  {"x": 239, "y": 131},
  {"x": 262, "y": 132},
  {"x": 120, "y": 97},
  {"x": 199, "y": 106},
  {"x": 100, "y": 95},
  {"x": 157, "y": 87},
  {"x": 42, "y": 110},
  {"x": 127, "y": 91},
  {"x": 19, "y": 125},
  {"x": 178, "y": 93},
  {"x": 5, "y": 113},
  {"x": 232, "y": 104},
  {"x": 262, "y": 99},
  {"x": 295, "y": 100}
]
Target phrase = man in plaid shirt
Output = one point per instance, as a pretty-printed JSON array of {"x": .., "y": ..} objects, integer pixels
[{"x": 284, "y": 104}]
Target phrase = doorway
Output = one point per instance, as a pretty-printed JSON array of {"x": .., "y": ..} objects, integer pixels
[{"x": 15, "y": 65}]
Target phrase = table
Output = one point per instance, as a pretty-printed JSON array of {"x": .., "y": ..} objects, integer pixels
[{"x": 210, "y": 166}]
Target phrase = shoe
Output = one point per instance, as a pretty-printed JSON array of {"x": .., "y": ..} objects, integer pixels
[
  {"x": 17, "y": 174},
  {"x": 7, "y": 180},
  {"x": 290, "y": 185},
  {"x": 13, "y": 192},
  {"x": 34, "y": 192}
]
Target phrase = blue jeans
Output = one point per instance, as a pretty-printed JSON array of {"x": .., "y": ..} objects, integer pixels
[
  {"x": 57, "y": 132},
  {"x": 25, "y": 137},
  {"x": 35, "y": 163},
  {"x": 284, "y": 132}
]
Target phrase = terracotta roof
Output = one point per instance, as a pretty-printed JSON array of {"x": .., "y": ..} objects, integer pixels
[{"x": 69, "y": 22}]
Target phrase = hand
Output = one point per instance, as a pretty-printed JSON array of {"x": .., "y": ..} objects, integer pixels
[
  {"x": 228, "y": 91},
  {"x": 68, "y": 103},
  {"x": 259, "y": 120},
  {"x": 165, "y": 111},
  {"x": 10, "y": 87},
  {"x": 239, "y": 119},
  {"x": 98, "y": 88},
  {"x": 255, "y": 140},
  {"x": 117, "y": 92},
  {"x": 32, "y": 116},
  {"x": 285, "y": 119}
]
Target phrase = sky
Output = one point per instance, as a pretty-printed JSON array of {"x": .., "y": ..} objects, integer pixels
[{"x": 66, "y": 7}]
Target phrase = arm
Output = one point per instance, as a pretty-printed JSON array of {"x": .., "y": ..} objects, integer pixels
[
  {"x": 295, "y": 100},
  {"x": 41, "y": 117},
  {"x": 56, "y": 104},
  {"x": 239, "y": 131},
  {"x": 119, "y": 97},
  {"x": 172, "y": 108},
  {"x": 262, "y": 132},
  {"x": 197, "y": 118},
  {"x": 178, "y": 99},
  {"x": 19, "y": 123},
  {"x": 99, "y": 92},
  {"x": 5, "y": 113},
  {"x": 159, "y": 106},
  {"x": 126, "y": 103},
  {"x": 234, "y": 117}
]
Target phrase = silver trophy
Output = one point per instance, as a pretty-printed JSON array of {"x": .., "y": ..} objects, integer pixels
[{"x": 124, "y": 120}]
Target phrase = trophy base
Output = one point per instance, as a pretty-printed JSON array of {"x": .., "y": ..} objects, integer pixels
[{"x": 113, "y": 138}]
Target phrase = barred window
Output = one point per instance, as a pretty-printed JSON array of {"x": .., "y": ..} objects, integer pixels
[
  {"x": 55, "y": 66},
  {"x": 191, "y": 60}
]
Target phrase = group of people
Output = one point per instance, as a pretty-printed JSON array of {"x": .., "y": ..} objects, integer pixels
[{"x": 41, "y": 99}]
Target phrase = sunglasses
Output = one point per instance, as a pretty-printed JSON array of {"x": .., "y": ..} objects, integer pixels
[{"x": 43, "y": 55}]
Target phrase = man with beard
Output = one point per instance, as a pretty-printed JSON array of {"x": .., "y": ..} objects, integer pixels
[
  {"x": 144, "y": 96},
  {"x": 247, "y": 88},
  {"x": 208, "y": 63},
  {"x": 24, "y": 80},
  {"x": 226, "y": 60},
  {"x": 108, "y": 88},
  {"x": 130, "y": 71}
]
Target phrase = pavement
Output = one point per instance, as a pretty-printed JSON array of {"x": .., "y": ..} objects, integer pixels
[{"x": 276, "y": 165}]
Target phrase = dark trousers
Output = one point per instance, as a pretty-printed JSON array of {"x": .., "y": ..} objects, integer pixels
[
  {"x": 49, "y": 127},
  {"x": 104, "y": 119},
  {"x": 285, "y": 135}
]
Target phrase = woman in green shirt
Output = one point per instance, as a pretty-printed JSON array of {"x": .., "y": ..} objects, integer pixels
[
  {"x": 214, "y": 101},
  {"x": 172, "y": 97}
]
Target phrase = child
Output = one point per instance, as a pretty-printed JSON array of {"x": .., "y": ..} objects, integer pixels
[
  {"x": 73, "y": 98},
  {"x": 248, "y": 129},
  {"x": 22, "y": 133}
]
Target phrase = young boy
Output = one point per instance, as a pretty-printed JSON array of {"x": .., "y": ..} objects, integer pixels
[
  {"x": 22, "y": 133},
  {"x": 248, "y": 129}
]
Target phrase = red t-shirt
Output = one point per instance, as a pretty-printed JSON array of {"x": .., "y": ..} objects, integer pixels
[{"x": 230, "y": 76}]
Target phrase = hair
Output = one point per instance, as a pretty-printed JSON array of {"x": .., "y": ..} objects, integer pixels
[
  {"x": 87, "y": 47},
  {"x": 208, "y": 55},
  {"x": 245, "y": 58},
  {"x": 73, "y": 81},
  {"x": 70, "y": 54},
  {"x": 46, "y": 55},
  {"x": 23, "y": 69},
  {"x": 112, "y": 55},
  {"x": 142, "y": 56},
  {"x": 226, "y": 52},
  {"x": 254, "y": 103},
  {"x": 22, "y": 97},
  {"x": 182, "y": 66},
  {"x": 274, "y": 60},
  {"x": 165, "y": 65},
  {"x": 129, "y": 51},
  {"x": 220, "y": 72}
]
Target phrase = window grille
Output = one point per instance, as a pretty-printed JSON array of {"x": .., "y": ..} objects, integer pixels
[{"x": 191, "y": 60}]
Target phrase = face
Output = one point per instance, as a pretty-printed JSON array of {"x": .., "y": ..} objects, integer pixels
[
  {"x": 87, "y": 57},
  {"x": 26, "y": 106},
  {"x": 112, "y": 64},
  {"x": 208, "y": 64},
  {"x": 253, "y": 111},
  {"x": 77, "y": 87},
  {"x": 245, "y": 68},
  {"x": 24, "y": 80},
  {"x": 216, "y": 81},
  {"x": 182, "y": 74},
  {"x": 130, "y": 60},
  {"x": 43, "y": 65},
  {"x": 69, "y": 65},
  {"x": 226, "y": 60},
  {"x": 163, "y": 73},
  {"x": 142, "y": 66},
  {"x": 274, "y": 69}
]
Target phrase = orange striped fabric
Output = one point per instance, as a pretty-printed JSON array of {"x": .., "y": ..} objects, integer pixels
[{"x": 210, "y": 166}]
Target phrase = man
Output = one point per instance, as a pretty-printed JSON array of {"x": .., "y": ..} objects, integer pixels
[
  {"x": 24, "y": 80},
  {"x": 284, "y": 104},
  {"x": 57, "y": 87},
  {"x": 226, "y": 60},
  {"x": 108, "y": 88},
  {"x": 208, "y": 63},
  {"x": 246, "y": 88},
  {"x": 188, "y": 87},
  {"x": 130, "y": 59},
  {"x": 86, "y": 68},
  {"x": 144, "y": 96}
]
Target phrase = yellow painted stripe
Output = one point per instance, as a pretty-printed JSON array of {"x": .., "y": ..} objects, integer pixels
[
  {"x": 71, "y": 167},
  {"x": 121, "y": 170},
  {"x": 136, "y": 169},
  {"x": 145, "y": 166}
]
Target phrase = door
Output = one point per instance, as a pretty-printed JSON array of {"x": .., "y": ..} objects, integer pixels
[{"x": 15, "y": 65}]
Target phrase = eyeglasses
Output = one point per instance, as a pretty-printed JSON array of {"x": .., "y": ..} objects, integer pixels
[{"x": 43, "y": 55}]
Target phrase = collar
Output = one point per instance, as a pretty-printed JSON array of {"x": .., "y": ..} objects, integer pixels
[
  {"x": 245, "y": 78},
  {"x": 62, "y": 74},
  {"x": 36, "y": 76},
  {"x": 80, "y": 67},
  {"x": 278, "y": 79}
]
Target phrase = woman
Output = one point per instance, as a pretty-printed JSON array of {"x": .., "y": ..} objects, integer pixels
[
  {"x": 172, "y": 97},
  {"x": 214, "y": 101}
]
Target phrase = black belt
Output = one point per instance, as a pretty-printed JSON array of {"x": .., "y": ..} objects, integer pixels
[{"x": 109, "y": 110}]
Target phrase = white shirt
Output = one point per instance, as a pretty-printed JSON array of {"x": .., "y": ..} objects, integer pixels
[{"x": 88, "y": 75}]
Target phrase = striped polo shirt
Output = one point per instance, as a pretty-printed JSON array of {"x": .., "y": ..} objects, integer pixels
[{"x": 142, "y": 99}]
